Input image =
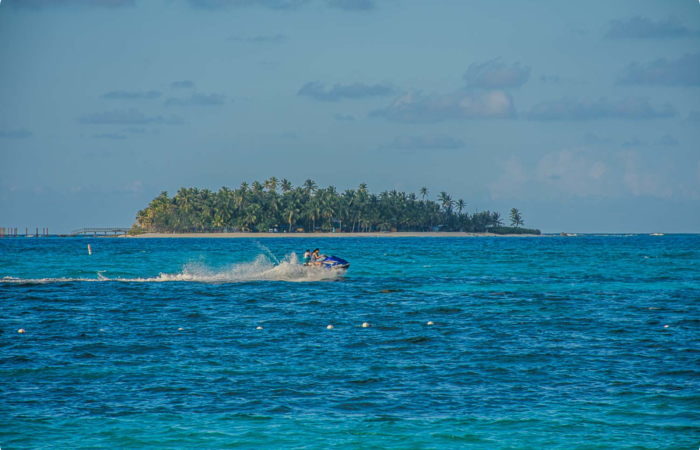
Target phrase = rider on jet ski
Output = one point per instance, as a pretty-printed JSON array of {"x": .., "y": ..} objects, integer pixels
[{"x": 316, "y": 258}]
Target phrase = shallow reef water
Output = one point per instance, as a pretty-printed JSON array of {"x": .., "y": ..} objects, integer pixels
[{"x": 587, "y": 342}]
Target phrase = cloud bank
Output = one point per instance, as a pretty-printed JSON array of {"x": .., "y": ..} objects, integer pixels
[
  {"x": 110, "y": 136},
  {"x": 228, "y": 4},
  {"x": 352, "y": 5},
  {"x": 414, "y": 107},
  {"x": 317, "y": 90},
  {"x": 197, "y": 100},
  {"x": 594, "y": 139},
  {"x": 495, "y": 74},
  {"x": 184, "y": 84},
  {"x": 131, "y": 95},
  {"x": 684, "y": 71},
  {"x": 667, "y": 141},
  {"x": 127, "y": 117},
  {"x": 425, "y": 142},
  {"x": 38, "y": 4},
  {"x": 633, "y": 108},
  {"x": 21, "y": 133},
  {"x": 644, "y": 28},
  {"x": 258, "y": 39}
]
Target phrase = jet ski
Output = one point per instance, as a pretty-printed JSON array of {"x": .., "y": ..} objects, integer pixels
[{"x": 332, "y": 263}]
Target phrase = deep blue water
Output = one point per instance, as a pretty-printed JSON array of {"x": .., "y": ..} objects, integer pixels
[{"x": 537, "y": 343}]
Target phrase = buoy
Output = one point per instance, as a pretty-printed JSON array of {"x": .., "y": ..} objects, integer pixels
[
  {"x": 365, "y": 325},
  {"x": 259, "y": 328},
  {"x": 431, "y": 323},
  {"x": 101, "y": 329},
  {"x": 665, "y": 326},
  {"x": 21, "y": 331},
  {"x": 180, "y": 329},
  {"x": 89, "y": 250},
  {"x": 330, "y": 327}
]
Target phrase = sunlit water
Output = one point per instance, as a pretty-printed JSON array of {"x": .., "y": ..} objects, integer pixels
[{"x": 589, "y": 342}]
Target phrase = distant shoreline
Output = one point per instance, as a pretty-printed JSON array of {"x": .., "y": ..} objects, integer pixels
[{"x": 323, "y": 235}]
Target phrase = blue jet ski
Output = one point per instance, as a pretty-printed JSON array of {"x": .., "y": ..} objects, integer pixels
[{"x": 332, "y": 262}]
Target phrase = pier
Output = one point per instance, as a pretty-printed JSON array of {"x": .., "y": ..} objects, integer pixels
[
  {"x": 14, "y": 232},
  {"x": 95, "y": 231}
]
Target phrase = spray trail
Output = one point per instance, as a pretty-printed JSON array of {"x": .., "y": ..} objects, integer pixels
[{"x": 260, "y": 269}]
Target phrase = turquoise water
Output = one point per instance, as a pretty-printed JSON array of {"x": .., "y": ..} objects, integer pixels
[{"x": 537, "y": 343}]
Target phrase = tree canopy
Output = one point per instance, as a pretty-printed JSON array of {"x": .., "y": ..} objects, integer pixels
[{"x": 277, "y": 204}]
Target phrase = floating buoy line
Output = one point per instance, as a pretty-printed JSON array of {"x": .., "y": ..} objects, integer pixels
[{"x": 328, "y": 327}]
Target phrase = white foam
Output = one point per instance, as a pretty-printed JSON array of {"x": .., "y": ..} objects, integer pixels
[{"x": 261, "y": 269}]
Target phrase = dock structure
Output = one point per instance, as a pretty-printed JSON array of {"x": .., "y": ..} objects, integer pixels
[
  {"x": 95, "y": 231},
  {"x": 15, "y": 232}
]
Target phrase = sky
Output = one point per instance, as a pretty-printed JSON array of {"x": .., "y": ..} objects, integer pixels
[{"x": 584, "y": 115}]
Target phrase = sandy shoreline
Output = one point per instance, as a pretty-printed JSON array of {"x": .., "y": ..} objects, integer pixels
[{"x": 322, "y": 235}]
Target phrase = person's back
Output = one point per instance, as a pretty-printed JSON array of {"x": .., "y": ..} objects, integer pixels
[
  {"x": 307, "y": 257},
  {"x": 316, "y": 258}
]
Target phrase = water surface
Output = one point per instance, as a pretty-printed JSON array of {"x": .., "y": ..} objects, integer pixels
[{"x": 589, "y": 343}]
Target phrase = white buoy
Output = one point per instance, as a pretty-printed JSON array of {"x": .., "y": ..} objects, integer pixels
[
  {"x": 365, "y": 325},
  {"x": 330, "y": 327},
  {"x": 665, "y": 326},
  {"x": 259, "y": 328},
  {"x": 180, "y": 329},
  {"x": 21, "y": 331},
  {"x": 101, "y": 329},
  {"x": 89, "y": 250},
  {"x": 431, "y": 323}
]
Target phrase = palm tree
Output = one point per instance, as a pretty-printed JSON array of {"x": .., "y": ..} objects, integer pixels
[
  {"x": 261, "y": 207},
  {"x": 313, "y": 212},
  {"x": 310, "y": 186},
  {"x": 286, "y": 185},
  {"x": 516, "y": 219},
  {"x": 496, "y": 219},
  {"x": 446, "y": 200},
  {"x": 327, "y": 207},
  {"x": 424, "y": 192},
  {"x": 290, "y": 211},
  {"x": 461, "y": 204},
  {"x": 252, "y": 215}
]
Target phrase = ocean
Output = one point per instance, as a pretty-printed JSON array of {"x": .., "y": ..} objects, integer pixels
[{"x": 588, "y": 342}]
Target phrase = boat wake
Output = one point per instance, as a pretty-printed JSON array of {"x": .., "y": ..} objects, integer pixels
[{"x": 260, "y": 269}]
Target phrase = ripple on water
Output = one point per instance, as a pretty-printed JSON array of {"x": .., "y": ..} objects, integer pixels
[{"x": 534, "y": 345}]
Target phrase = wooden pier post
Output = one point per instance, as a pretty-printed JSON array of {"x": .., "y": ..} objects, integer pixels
[{"x": 37, "y": 232}]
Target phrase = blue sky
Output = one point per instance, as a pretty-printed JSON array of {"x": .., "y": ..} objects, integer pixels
[{"x": 585, "y": 115}]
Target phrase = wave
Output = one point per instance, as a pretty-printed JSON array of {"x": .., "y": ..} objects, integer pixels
[{"x": 260, "y": 269}]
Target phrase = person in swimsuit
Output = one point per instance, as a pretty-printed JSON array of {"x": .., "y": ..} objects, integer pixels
[{"x": 316, "y": 258}]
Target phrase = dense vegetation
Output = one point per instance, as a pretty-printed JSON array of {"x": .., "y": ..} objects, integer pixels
[
  {"x": 513, "y": 230},
  {"x": 276, "y": 204}
]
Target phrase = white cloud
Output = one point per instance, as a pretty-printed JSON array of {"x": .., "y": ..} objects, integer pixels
[
  {"x": 684, "y": 71},
  {"x": 414, "y": 107},
  {"x": 639, "y": 182},
  {"x": 639, "y": 27},
  {"x": 571, "y": 172},
  {"x": 510, "y": 183},
  {"x": 631, "y": 108},
  {"x": 425, "y": 142},
  {"x": 495, "y": 74}
]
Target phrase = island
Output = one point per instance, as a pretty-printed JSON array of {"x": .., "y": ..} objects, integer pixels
[{"x": 275, "y": 206}]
